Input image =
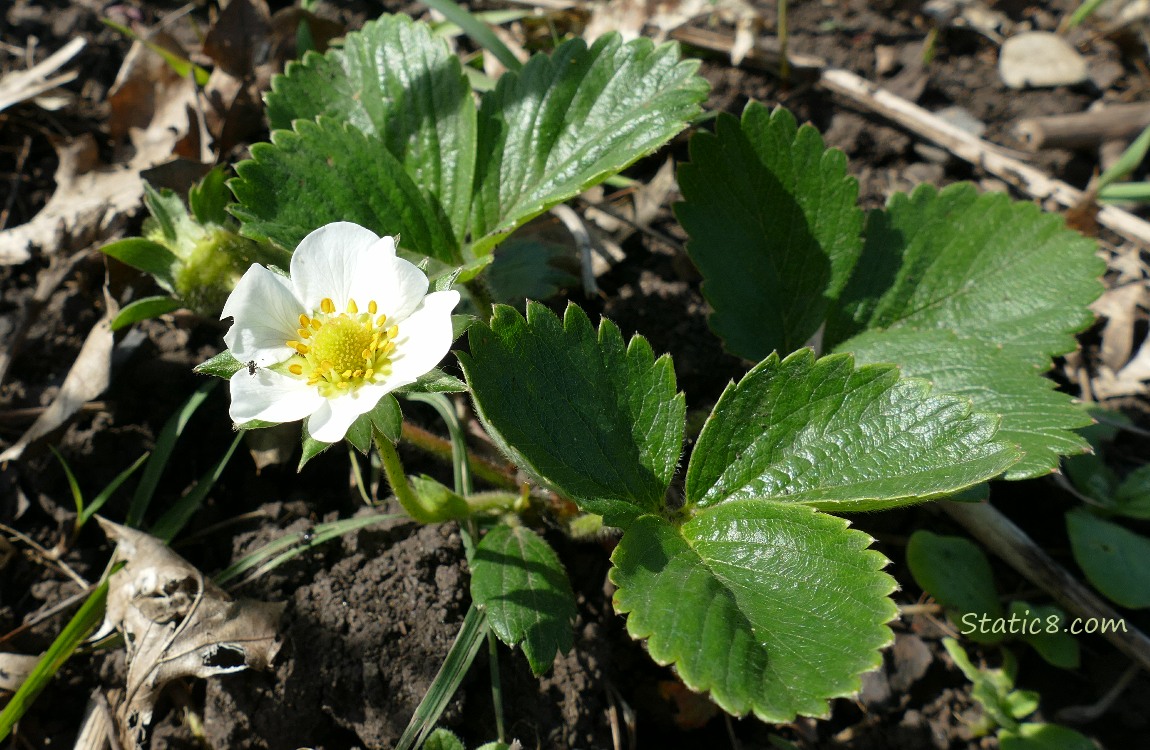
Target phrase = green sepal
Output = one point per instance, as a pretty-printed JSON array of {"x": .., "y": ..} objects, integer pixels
[
  {"x": 434, "y": 381},
  {"x": 223, "y": 365},
  {"x": 209, "y": 198},
  {"x": 310, "y": 447},
  {"x": 437, "y": 501}
]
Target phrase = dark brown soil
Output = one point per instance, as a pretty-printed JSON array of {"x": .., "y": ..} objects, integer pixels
[{"x": 371, "y": 617}]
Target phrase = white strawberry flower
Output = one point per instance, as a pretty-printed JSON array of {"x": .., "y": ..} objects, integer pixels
[{"x": 352, "y": 323}]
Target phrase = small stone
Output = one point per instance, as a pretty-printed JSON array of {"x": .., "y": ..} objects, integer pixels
[{"x": 1040, "y": 59}]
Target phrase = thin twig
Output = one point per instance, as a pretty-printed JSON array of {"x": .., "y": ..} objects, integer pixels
[
  {"x": 1002, "y": 537},
  {"x": 46, "y": 614},
  {"x": 984, "y": 154},
  {"x": 46, "y": 554}
]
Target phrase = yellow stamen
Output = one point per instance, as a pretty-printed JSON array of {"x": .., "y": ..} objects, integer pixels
[
  {"x": 352, "y": 307},
  {"x": 304, "y": 333},
  {"x": 295, "y": 369},
  {"x": 372, "y": 308},
  {"x": 327, "y": 305},
  {"x": 393, "y": 332},
  {"x": 304, "y": 320},
  {"x": 380, "y": 321}
]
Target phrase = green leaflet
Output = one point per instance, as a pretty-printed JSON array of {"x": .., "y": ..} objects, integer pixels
[
  {"x": 571, "y": 120},
  {"x": 774, "y": 227},
  {"x": 980, "y": 266},
  {"x": 595, "y": 418},
  {"x": 840, "y": 438},
  {"x": 325, "y": 171},
  {"x": 770, "y": 607},
  {"x": 519, "y": 580},
  {"x": 996, "y": 379},
  {"x": 394, "y": 82}
]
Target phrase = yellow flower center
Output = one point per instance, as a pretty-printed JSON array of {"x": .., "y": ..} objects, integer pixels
[{"x": 339, "y": 352}]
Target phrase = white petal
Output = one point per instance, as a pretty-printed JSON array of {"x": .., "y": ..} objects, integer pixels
[
  {"x": 265, "y": 316},
  {"x": 396, "y": 285},
  {"x": 331, "y": 421},
  {"x": 423, "y": 339},
  {"x": 327, "y": 261},
  {"x": 271, "y": 397}
]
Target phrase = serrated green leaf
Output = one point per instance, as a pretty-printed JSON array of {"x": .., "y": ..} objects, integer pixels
[
  {"x": 568, "y": 121},
  {"x": 209, "y": 198},
  {"x": 957, "y": 574},
  {"x": 150, "y": 257},
  {"x": 772, "y": 608},
  {"x": 142, "y": 309},
  {"x": 590, "y": 416},
  {"x": 393, "y": 81},
  {"x": 774, "y": 228},
  {"x": 838, "y": 437},
  {"x": 325, "y": 171},
  {"x": 522, "y": 584},
  {"x": 1115, "y": 560},
  {"x": 223, "y": 365},
  {"x": 1001, "y": 380},
  {"x": 980, "y": 266}
]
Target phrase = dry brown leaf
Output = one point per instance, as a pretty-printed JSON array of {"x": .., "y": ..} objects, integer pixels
[
  {"x": 150, "y": 106},
  {"x": 176, "y": 623},
  {"x": 240, "y": 39},
  {"x": 87, "y": 378},
  {"x": 14, "y": 669},
  {"x": 1119, "y": 306}
]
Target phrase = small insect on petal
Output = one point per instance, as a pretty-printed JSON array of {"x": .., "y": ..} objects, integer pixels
[{"x": 252, "y": 367}]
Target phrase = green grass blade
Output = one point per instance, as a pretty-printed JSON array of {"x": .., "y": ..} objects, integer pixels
[
  {"x": 1083, "y": 12},
  {"x": 181, "y": 512},
  {"x": 73, "y": 485},
  {"x": 1128, "y": 162},
  {"x": 295, "y": 544},
  {"x": 164, "y": 446},
  {"x": 85, "y": 620},
  {"x": 99, "y": 500},
  {"x": 471, "y": 637},
  {"x": 1126, "y": 191},
  {"x": 459, "y": 462},
  {"x": 479, "y": 32},
  {"x": 181, "y": 65}
]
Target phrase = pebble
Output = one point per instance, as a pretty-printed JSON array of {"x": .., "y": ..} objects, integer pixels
[{"x": 1040, "y": 59}]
